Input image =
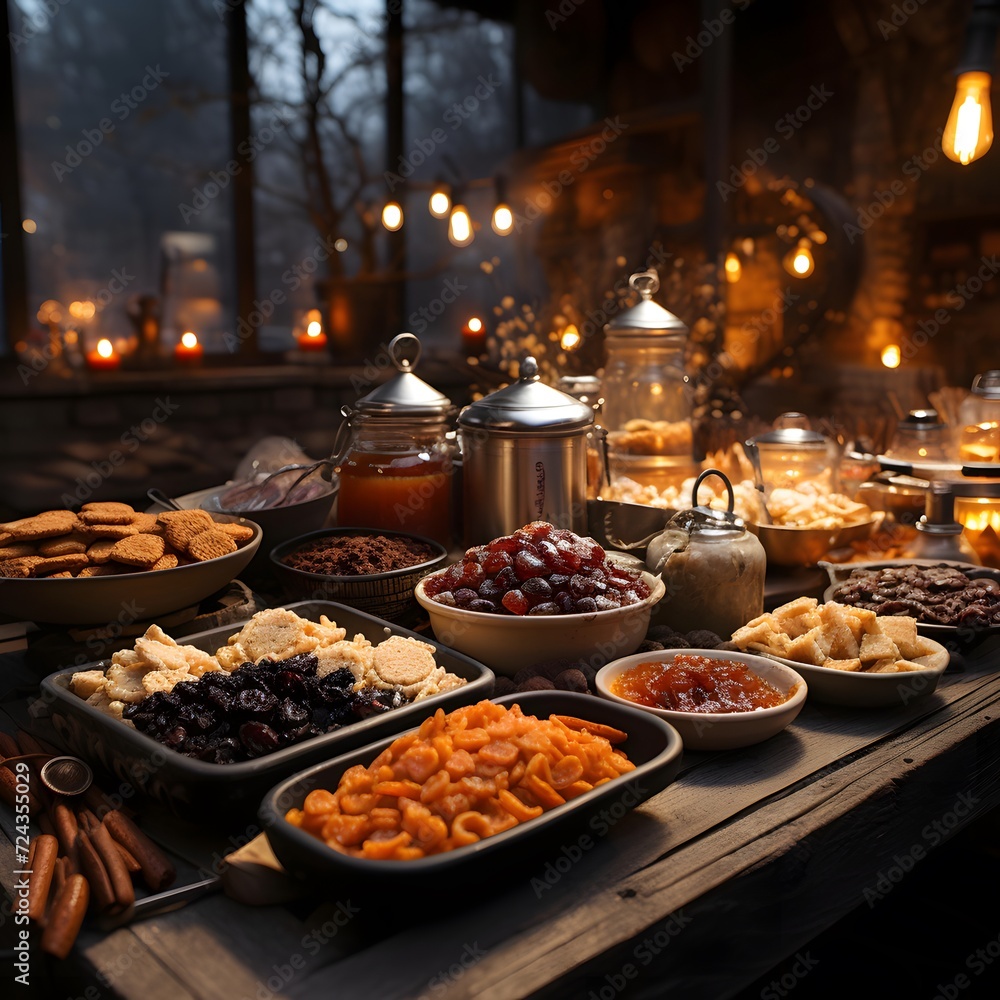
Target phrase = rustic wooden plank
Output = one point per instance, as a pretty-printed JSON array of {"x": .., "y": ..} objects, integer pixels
[
  {"x": 863, "y": 789},
  {"x": 552, "y": 929},
  {"x": 120, "y": 962}
]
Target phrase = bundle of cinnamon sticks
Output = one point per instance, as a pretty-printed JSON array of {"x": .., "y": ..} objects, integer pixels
[{"x": 85, "y": 858}]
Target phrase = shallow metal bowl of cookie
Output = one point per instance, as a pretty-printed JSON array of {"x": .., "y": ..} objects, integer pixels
[{"x": 130, "y": 587}]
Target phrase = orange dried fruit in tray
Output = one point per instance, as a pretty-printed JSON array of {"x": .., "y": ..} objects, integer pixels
[{"x": 461, "y": 777}]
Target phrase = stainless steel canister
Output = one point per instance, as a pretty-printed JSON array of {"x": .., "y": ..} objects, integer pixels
[{"x": 524, "y": 458}]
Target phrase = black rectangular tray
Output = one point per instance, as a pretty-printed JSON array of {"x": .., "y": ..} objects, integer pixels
[
  {"x": 653, "y": 745},
  {"x": 197, "y": 790}
]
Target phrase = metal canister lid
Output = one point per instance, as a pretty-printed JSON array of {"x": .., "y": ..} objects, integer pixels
[
  {"x": 528, "y": 405},
  {"x": 986, "y": 385},
  {"x": 925, "y": 420},
  {"x": 646, "y": 318},
  {"x": 405, "y": 394}
]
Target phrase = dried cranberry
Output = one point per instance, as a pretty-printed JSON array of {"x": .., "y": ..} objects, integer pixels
[
  {"x": 527, "y": 565},
  {"x": 496, "y": 561},
  {"x": 515, "y": 602},
  {"x": 537, "y": 587},
  {"x": 258, "y": 738}
]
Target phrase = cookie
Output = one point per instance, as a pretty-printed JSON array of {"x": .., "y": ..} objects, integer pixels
[
  {"x": 138, "y": 550},
  {"x": 6, "y": 537},
  {"x": 210, "y": 545},
  {"x": 99, "y": 552},
  {"x": 167, "y": 561},
  {"x": 65, "y": 545},
  {"x": 56, "y": 564},
  {"x": 106, "y": 513},
  {"x": 180, "y": 526},
  {"x": 21, "y": 567},
  {"x": 104, "y": 569},
  {"x": 18, "y": 550},
  {"x": 109, "y": 530},
  {"x": 57, "y": 576},
  {"x": 239, "y": 533},
  {"x": 49, "y": 524},
  {"x": 146, "y": 523}
]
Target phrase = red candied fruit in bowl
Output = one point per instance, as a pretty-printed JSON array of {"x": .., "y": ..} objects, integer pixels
[{"x": 538, "y": 570}]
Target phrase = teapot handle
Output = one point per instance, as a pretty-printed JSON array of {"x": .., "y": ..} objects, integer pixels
[{"x": 723, "y": 477}]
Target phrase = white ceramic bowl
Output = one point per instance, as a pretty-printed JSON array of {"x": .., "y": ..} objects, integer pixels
[
  {"x": 506, "y": 643},
  {"x": 859, "y": 689},
  {"x": 718, "y": 730}
]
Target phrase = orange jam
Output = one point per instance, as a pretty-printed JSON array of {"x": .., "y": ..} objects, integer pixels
[
  {"x": 408, "y": 493},
  {"x": 697, "y": 684}
]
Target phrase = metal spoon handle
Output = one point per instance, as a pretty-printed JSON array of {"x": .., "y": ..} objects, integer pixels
[{"x": 158, "y": 496}]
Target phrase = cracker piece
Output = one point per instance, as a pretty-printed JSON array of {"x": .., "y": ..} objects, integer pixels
[
  {"x": 156, "y": 634},
  {"x": 100, "y": 701},
  {"x": 49, "y": 524},
  {"x": 125, "y": 683},
  {"x": 853, "y": 665},
  {"x": 239, "y": 533},
  {"x": 116, "y": 710},
  {"x": 886, "y": 665},
  {"x": 167, "y": 561},
  {"x": 342, "y": 655},
  {"x": 59, "y": 576},
  {"x": 401, "y": 661},
  {"x": 128, "y": 658},
  {"x": 808, "y": 648},
  {"x": 138, "y": 550},
  {"x": 877, "y": 646},
  {"x": 72, "y": 544},
  {"x": 922, "y": 647},
  {"x": 905, "y": 666},
  {"x": 231, "y": 657},
  {"x": 326, "y": 630},
  {"x": 180, "y": 526},
  {"x": 902, "y": 630},
  {"x": 163, "y": 680},
  {"x": 210, "y": 544},
  {"x": 56, "y": 564},
  {"x": 87, "y": 682},
  {"x": 169, "y": 658},
  {"x": 5, "y": 537},
  {"x": 274, "y": 632}
]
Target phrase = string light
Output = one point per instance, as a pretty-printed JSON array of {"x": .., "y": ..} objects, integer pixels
[
  {"x": 439, "y": 203},
  {"x": 891, "y": 355},
  {"x": 799, "y": 261},
  {"x": 392, "y": 216},
  {"x": 460, "y": 226},
  {"x": 570, "y": 338},
  {"x": 968, "y": 133},
  {"x": 503, "y": 217},
  {"x": 734, "y": 269}
]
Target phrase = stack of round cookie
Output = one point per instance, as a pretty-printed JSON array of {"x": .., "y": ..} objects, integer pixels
[{"x": 110, "y": 538}]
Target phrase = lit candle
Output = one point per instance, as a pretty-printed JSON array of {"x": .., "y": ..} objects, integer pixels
[
  {"x": 314, "y": 339},
  {"x": 189, "y": 351},
  {"x": 474, "y": 336},
  {"x": 103, "y": 357}
]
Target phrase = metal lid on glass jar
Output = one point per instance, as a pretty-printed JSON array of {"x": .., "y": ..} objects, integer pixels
[
  {"x": 922, "y": 420},
  {"x": 986, "y": 385},
  {"x": 646, "y": 318},
  {"x": 528, "y": 405},
  {"x": 792, "y": 430},
  {"x": 405, "y": 394}
]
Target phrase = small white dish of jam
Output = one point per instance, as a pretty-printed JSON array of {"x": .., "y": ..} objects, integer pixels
[{"x": 716, "y": 699}]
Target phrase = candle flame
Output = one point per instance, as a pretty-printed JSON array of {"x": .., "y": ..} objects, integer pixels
[
  {"x": 314, "y": 329},
  {"x": 189, "y": 340},
  {"x": 475, "y": 324},
  {"x": 104, "y": 348}
]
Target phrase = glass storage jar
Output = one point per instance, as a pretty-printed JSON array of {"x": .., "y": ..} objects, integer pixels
[
  {"x": 397, "y": 466},
  {"x": 647, "y": 393},
  {"x": 792, "y": 454},
  {"x": 979, "y": 414}
]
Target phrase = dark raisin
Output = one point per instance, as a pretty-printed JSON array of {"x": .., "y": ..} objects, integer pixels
[{"x": 258, "y": 738}]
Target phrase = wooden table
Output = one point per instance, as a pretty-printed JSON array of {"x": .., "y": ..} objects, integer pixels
[{"x": 745, "y": 858}]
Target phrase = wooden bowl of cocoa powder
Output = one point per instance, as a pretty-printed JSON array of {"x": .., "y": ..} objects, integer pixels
[{"x": 370, "y": 569}]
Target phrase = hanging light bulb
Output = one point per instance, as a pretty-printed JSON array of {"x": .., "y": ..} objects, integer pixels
[
  {"x": 891, "y": 355},
  {"x": 734, "y": 269},
  {"x": 392, "y": 216},
  {"x": 969, "y": 131},
  {"x": 503, "y": 217},
  {"x": 440, "y": 201},
  {"x": 460, "y": 226},
  {"x": 799, "y": 261}
]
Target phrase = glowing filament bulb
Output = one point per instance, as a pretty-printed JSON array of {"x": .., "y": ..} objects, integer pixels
[
  {"x": 733, "y": 267},
  {"x": 503, "y": 220},
  {"x": 439, "y": 203},
  {"x": 460, "y": 226},
  {"x": 392, "y": 216},
  {"x": 969, "y": 131}
]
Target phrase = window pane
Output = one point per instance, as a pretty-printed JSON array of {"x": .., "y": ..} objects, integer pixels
[{"x": 124, "y": 140}]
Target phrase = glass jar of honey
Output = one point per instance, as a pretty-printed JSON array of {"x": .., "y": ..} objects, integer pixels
[{"x": 397, "y": 465}]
